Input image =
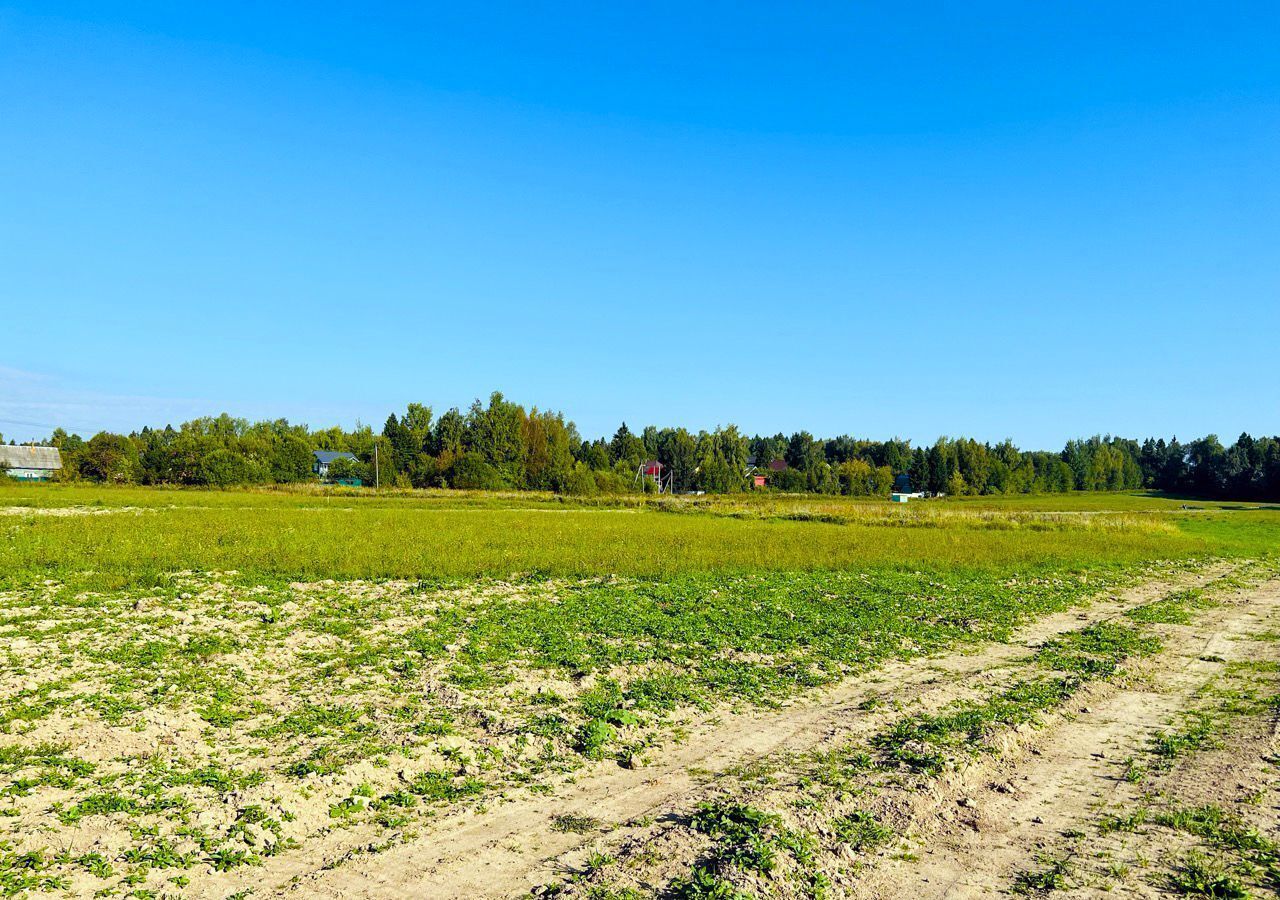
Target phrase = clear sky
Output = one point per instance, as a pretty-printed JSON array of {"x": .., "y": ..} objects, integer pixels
[{"x": 1033, "y": 220}]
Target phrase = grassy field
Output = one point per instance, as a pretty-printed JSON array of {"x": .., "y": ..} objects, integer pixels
[
  {"x": 116, "y": 538},
  {"x": 195, "y": 683}
]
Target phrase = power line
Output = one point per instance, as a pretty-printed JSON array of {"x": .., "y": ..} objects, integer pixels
[{"x": 30, "y": 424}]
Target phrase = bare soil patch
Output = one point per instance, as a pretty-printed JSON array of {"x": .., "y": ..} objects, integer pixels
[
  {"x": 642, "y": 814},
  {"x": 1045, "y": 804},
  {"x": 214, "y": 736}
]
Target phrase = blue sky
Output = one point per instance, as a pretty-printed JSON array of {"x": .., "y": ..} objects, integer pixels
[{"x": 1026, "y": 220}]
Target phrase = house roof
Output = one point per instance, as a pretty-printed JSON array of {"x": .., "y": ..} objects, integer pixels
[
  {"x": 31, "y": 457},
  {"x": 324, "y": 457},
  {"x": 777, "y": 465}
]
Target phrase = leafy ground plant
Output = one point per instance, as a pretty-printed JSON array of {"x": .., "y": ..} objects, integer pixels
[
  {"x": 1197, "y": 875},
  {"x": 1051, "y": 877}
]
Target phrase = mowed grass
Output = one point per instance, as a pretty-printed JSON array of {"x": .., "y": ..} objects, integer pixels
[{"x": 121, "y": 537}]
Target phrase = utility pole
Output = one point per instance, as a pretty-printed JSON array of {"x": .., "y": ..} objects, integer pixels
[{"x": 377, "y": 470}]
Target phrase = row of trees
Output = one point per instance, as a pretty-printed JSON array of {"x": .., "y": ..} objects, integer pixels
[{"x": 503, "y": 446}]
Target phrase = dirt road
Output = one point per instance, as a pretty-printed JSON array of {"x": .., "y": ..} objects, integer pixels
[
  {"x": 1045, "y": 804},
  {"x": 511, "y": 848}
]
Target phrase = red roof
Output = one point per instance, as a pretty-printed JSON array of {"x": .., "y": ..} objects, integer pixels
[
  {"x": 653, "y": 467},
  {"x": 778, "y": 465}
]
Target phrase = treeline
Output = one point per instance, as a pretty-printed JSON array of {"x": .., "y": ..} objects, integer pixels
[{"x": 503, "y": 446}]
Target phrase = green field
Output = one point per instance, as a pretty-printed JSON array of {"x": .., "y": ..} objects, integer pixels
[
  {"x": 136, "y": 536},
  {"x": 207, "y": 680}
]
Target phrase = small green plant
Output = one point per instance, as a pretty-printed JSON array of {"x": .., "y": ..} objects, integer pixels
[
  {"x": 1111, "y": 822},
  {"x": 1172, "y": 610},
  {"x": 1198, "y": 732},
  {"x": 443, "y": 786},
  {"x": 574, "y": 824},
  {"x": 1042, "y": 881},
  {"x": 743, "y": 834},
  {"x": 925, "y": 743},
  {"x": 1224, "y": 830},
  {"x": 593, "y": 737},
  {"x": 621, "y": 717},
  {"x": 346, "y": 808},
  {"x": 861, "y": 831},
  {"x": 597, "y": 860},
  {"x": 703, "y": 884},
  {"x": 96, "y": 864},
  {"x": 600, "y": 892},
  {"x": 1095, "y": 652},
  {"x": 1197, "y": 875},
  {"x": 224, "y": 859}
]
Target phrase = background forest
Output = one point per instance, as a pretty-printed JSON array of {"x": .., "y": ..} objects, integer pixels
[{"x": 503, "y": 446}]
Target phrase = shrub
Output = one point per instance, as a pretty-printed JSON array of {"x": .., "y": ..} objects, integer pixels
[{"x": 472, "y": 472}]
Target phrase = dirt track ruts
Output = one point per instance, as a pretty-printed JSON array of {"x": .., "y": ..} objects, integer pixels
[
  {"x": 510, "y": 848},
  {"x": 1023, "y": 804}
]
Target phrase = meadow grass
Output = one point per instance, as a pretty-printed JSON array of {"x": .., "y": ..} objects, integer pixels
[{"x": 120, "y": 537}]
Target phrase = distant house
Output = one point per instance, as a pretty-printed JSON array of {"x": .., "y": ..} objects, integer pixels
[
  {"x": 902, "y": 491},
  {"x": 758, "y": 481},
  {"x": 30, "y": 463},
  {"x": 778, "y": 465},
  {"x": 323, "y": 458}
]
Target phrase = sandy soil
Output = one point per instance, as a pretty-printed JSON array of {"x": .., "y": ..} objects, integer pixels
[
  {"x": 964, "y": 833},
  {"x": 510, "y": 848},
  {"x": 63, "y": 511},
  {"x": 1067, "y": 778}
]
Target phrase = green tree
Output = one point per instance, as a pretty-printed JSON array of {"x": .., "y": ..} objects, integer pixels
[
  {"x": 224, "y": 468},
  {"x": 678, "y": 453},
  {"x": 548, "y": 457},
  {"x": 626, "y": 448},
  {"x": 111, "y": 458},
  {"x": 291, "y": 461},
  {"x": 581, "y": 481},
  {"x": 855, "y": 476},
  {"x": 805, "y": 453},
  {"x": 722, "y": 459},
  {"x": 346, "y": 469},
  {"x": 450, "y": 435},
  {"x": 497, "y": 434},
  {"x": 595, "y": 454},
  {"x": 473, "y": 472}
]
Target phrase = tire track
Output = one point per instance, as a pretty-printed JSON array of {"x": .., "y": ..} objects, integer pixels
[{"x": 510, "y": 848}]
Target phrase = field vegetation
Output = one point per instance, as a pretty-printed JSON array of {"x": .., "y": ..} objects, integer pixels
[
  {"x": 118, "y": 537},
  {"x": 200, "y": 685}
]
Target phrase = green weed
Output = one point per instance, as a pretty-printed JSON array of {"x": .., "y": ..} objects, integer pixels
[
  {"x": 574, "y": 824},
  {"x": 861, "y": 831},
  {"x": 1051, "y": 878},
  {"x": 1199, "y": 876}
]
